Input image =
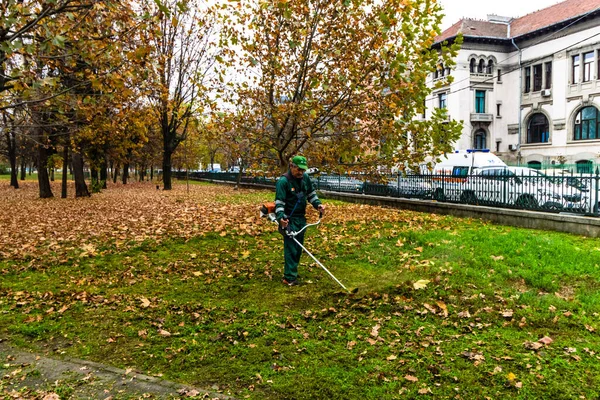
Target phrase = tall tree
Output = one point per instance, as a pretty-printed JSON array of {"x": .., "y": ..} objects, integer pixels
[
  {"x": 338, "y": 79},
  {"x": 185, "y": 52}
]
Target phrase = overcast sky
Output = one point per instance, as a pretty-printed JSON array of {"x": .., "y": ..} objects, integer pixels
[{"x": 479, "y": 9}]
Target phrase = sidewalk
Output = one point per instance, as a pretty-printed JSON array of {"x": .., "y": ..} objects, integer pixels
[{"x": 26, "y": 375}]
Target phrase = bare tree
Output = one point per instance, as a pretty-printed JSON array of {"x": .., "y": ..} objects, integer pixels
[{"x": 186, "y": 51}]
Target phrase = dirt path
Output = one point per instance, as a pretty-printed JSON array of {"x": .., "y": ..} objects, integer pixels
[{"x": 26, "y": 375}]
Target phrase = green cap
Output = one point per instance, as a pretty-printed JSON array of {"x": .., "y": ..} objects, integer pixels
[{"x": 300, "y": 162}]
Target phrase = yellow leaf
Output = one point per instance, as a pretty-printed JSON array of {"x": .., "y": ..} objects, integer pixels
[
  {"x": 511, "y": 376},
  {"x": 145, "y": 302},
  {"x": 420, "y": 284}
]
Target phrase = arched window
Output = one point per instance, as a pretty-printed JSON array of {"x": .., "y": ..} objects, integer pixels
[
  {"x": 584, "y": 166},
  {"x": 481, "y": 66},
  {"x": 490, "y": 67},
  {"x": 436, "y": 74},
  {"x": 442, "y": 70},
  {"x": 538, "y": 129},
  {"x": 587, "y": 124},
  {"x": 534, "y": 165},
  {"x": 472, "y": 65},
  {"x": 480, "y": 140}
]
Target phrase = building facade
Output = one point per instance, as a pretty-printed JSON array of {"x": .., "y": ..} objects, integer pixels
[{"x": 528, "y": 88}]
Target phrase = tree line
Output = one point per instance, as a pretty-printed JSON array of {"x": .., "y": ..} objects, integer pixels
[{"x": 114, "y": 84}]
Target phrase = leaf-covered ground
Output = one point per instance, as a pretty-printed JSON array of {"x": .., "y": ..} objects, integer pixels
[{"x": 186, "y": 286}]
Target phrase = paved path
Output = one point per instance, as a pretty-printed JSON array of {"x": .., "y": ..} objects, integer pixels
[{"x": 23, "y": 372}]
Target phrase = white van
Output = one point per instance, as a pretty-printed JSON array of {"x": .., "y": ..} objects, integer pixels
[
  {"x": 463, "y": 163},
  {"x": 450, "y": 174}
]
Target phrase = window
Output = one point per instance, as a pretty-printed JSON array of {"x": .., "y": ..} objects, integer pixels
[
  {"x": 538, "y": 129},
  {"x": 480, "y": 140},
  {"x": 575, "y": 71},
  {"x": 481, "y": 66},
  {"x": 442, "y": 100},
  {"x": 527, "y": 79},
  {"x": 499, "y": 75},
  {"x": 598, "y": 66},
  {"x": 472, "y": 65},
  {"x": 480, "y": 101},
  {"x": 587, "y": 124},
  {"x": 498, "y": 107},
  {"x": 588, "y": 61},
  {"x": 584, "y": 166},
  {"x": 460, "y": 171},
  {"x": 490, "y": 67},
  {"x": 548, "y": 69},
  {"x": 534, "y": 165},
  {"x": 537, "y": 78}
]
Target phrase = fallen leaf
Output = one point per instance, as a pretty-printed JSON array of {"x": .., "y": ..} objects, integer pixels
[
  {"x": 546, "y": 340},
  {"x": 145, "y": 302},
  {"x": 443, "y": 307},
  {"x": 164, "y": 333},
  {"x": 411, "y": 378},
  {"x": 533, "y": 345},
  {"x": 421, "y": 284},
  {"x": 391, "y": 357},
  {"x": 375, "y": 331}
]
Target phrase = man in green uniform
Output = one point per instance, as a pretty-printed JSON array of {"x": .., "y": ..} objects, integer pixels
[{"x": 293, "y": 190}]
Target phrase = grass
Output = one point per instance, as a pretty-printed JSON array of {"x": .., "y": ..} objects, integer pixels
[{"x": 210, "y": 311}]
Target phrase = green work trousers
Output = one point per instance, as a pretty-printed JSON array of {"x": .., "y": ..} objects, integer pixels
[{"x": 291, "y": 250}]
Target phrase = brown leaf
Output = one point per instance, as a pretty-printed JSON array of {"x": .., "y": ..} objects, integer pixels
[
  {"x": 164, "y": 333},
  {"x": 411, "y": 378},
  {"x": 533, "y": 345},
  {"x": 546, "y": 340},
  {"x": 145, "y": 302},
  {"x": 375, "y": 331},
  {"x": 443, "y": 307}
]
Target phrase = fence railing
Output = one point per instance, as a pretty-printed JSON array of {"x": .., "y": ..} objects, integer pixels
[{"x": 571, "y": 193}]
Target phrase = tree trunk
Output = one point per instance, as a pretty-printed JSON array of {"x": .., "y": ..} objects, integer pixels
[
  {"x": 81, "y": 189},
  {"x": 23, "y": 168},
  {"x": 12, "y": 157},
  {"x": 94, "y": 175},
  {"x": 115, "y": 173},
  {"x": 142, "y": 172},
  {"x": 52, "y": 174},
  {"x": 65, "y": 167},
  {"x": 151, "y": 173},
  {"x": 167, "y": 169},
  {"x": 42, "y": 162},
  {"x": 125, "y": 173},
  {"x": 103, "y": 173}
]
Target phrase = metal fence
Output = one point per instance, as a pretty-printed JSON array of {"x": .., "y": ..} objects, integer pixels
[{"x": 497, "y": 187}]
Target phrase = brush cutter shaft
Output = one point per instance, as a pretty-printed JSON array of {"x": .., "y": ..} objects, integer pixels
[{"x": 320, "y": 265}]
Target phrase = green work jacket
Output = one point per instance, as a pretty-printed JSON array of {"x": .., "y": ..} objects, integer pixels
[{"x": 286, "y": 196}]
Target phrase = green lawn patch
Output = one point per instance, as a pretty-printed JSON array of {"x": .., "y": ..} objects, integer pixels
[{"x": 211, "y": 311}]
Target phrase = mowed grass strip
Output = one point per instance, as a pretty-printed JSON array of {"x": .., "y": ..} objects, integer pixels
[{"x": 500, "y": 312}]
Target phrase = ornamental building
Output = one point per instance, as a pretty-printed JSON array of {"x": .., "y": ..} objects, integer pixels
[{"x": 528, "y": 88}]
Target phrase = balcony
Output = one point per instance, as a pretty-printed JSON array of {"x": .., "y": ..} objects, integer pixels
[{"x": 482, "y": 117}]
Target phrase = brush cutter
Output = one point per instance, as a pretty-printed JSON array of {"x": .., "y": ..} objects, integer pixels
[{"x": 268, "y": 211}]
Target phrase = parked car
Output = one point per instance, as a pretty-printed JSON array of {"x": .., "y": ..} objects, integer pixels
[
  {"x": 412, "y": 186},
  {"x": 338, "y": 183},
  {"x": 522, "y": 187}
]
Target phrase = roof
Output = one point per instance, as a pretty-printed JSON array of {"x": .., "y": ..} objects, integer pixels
[{"x": 529, "y": 23}]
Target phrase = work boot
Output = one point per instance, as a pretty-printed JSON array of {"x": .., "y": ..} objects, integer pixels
[{"x": 289, "y": 283}]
